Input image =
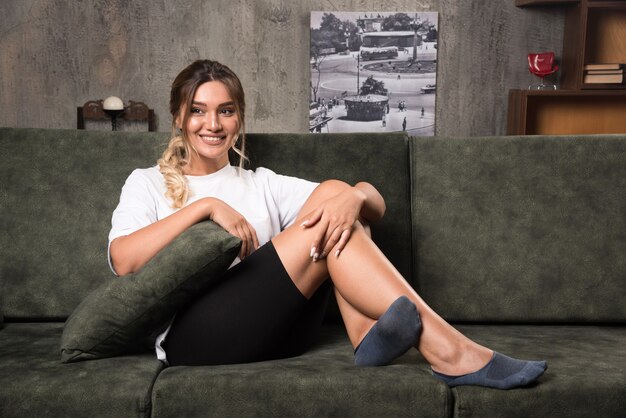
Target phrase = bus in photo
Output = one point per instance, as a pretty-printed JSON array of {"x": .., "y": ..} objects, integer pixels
[{"x": 386, "y": 45}]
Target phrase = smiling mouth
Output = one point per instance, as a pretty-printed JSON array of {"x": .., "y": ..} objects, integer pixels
[{"x": 211, "y": 139}]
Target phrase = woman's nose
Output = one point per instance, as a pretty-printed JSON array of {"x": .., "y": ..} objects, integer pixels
[{"x": 212, "y": 122}]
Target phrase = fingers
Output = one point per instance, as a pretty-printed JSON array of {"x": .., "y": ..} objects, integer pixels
[
  {"x": 317, "y": 246},
  {"x": 233, "y": 222},
  {"x": 255, "y": 239},
  {"x": 330, "y": 239},
  {"x": 249, "y": 240},
  {"x": 338, "y": 241},
  {"x": 333, "y": 222},
  {"x": 312, "y": 218},
  {"x": 345, "y": 236},
  {"x": 333, "y": 238}
]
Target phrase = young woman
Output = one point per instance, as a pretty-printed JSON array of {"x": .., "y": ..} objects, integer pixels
[{"x": 295, "y": 234}]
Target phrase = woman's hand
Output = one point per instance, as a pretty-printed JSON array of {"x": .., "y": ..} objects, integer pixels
[
  {"x": 233, "y": 222},
  {"x": 333, "y": 221}
]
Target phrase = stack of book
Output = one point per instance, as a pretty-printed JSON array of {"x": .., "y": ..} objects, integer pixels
[{"x": 604, "y": 74}]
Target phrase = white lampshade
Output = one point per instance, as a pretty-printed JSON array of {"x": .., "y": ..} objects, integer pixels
[{"x": 113, "y": 103}]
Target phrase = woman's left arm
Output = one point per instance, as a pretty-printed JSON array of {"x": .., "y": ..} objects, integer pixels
[{"x": 336, "y": 217}]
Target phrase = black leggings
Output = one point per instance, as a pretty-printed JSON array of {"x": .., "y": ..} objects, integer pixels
[{"x": 254, "y": 313}]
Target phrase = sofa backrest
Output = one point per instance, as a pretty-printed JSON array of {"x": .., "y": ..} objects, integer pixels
[
  {"x": 58, "y": 189},
  {"x": 512, "y": 229},
  {"x": 521, "y": 228}
]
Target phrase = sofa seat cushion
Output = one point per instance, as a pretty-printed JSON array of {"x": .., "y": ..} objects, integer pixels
[
  {"x": 586, "y": 373},
  {"x": 321, "y": 382},
  {"x": 35, "y": 383}
]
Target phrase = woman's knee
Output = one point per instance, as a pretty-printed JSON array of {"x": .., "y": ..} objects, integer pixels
[
  {"x": 324, "y": 191},
  {"x": 330, "y": 188}
]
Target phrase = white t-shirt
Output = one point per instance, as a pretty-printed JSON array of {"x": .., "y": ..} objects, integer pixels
[{"x": 269, "y": 201}]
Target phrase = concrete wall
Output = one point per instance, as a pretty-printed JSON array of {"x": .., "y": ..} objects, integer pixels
[{"x": 57, "y": 54}]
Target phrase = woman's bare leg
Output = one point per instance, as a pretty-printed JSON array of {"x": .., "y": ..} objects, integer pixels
[
  {"x": 369, "y": 283},
  {"x": 357, "y": 324}
]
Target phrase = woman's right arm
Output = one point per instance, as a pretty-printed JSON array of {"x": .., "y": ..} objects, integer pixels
[{"x": 131, "y": 252}]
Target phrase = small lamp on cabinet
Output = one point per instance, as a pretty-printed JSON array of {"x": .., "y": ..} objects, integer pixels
[{"x": 114, "y": 107}]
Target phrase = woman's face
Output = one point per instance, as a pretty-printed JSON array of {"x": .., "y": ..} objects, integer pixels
[{"x": 212, "y": 128}]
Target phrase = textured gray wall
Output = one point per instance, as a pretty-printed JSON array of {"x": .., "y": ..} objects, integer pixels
[{"x": 57, "y": 54}]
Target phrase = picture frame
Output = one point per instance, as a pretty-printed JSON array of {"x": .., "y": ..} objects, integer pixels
[{"x": 373, "y": 72}]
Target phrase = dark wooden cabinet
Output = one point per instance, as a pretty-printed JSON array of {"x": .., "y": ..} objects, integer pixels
[
  {"x": 594, "y": 33},
  {"x": 565, "y": 112}
]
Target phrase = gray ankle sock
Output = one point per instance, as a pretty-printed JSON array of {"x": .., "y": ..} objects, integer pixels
[
  {"x": 502, "y": 372},
  {"x": 395, "y": 332}
]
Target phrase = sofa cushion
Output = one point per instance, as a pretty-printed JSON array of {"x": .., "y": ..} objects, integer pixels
[
  {"x": 321, "y": 382},
  {"x": 521, "y": 228},
  {"x": 59, "y": 189},
  {"x": 585, "y": 378},
  {"x": 121, "y": 314},
  {"x": 34, "y": 383}
]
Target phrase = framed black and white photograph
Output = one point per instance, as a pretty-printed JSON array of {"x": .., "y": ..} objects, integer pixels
[{"x": 373, "y": 72}]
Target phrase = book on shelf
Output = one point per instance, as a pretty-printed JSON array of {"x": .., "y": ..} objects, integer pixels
[
  {"x": 604, "y": 66},
  {"x": 603, "y": 72},
  {"x": 603, "y": 78}
]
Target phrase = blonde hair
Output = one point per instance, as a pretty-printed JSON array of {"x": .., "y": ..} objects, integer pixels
[{"x": 176, "y": 155}]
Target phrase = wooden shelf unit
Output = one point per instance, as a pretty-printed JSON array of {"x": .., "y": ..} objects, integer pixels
[
  {"x": 594, "y": 33},
  {"x": 566, "y": 112}
]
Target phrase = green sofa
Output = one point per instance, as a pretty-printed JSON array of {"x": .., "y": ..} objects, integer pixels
[{"x": 519, "y": 241}]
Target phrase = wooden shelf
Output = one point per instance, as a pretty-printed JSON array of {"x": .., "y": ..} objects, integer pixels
[
  {"x": 604, "y": 3},
  {"x": 566, "y": 112},
  {"x": 527, "y": 3},
  {"x": 606, "y": 35}
]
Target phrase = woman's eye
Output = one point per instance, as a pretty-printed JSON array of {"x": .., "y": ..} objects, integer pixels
[
  {"x": 196, "y": 110},
  {"x": 228, "y": 111}
]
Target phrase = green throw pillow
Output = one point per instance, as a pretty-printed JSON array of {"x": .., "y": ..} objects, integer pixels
[{"x": 119, "y": 316}]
